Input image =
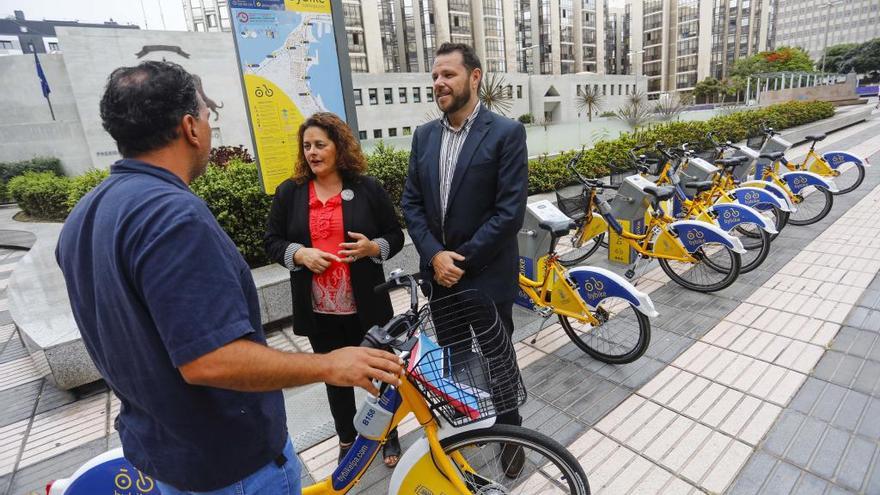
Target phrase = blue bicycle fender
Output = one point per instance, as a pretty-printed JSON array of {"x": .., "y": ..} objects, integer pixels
[
  {"x": 107, "y": 473},
  {"x": 693, "y": 234},
  {"x": 774, "y": 189},
  {"x": 596, "y": 284},
  {"x": 756, "y": 197},
  {"x": 799, "y": 179},
  {"x": 837, "y": 158},
  {"x": 729, "y": 215}
]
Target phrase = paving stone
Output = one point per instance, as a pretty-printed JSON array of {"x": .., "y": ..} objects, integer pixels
[
  {"x": 855, "y": 465},
  {"x": 828, "y": 365},
  {"x": 783, "y": 480},
  {"x": 18, "y": 403},
  {"x": 828, "y": 403},
  {"x": 811, "y": 485},
  {"x": 829, "y": 452},
  {"x": 850, "y": 410},
  {"x": 808, "y": 395},
  {"x": 597, "y": 408},
  {"x": 783, "y": 432},
  {"x": 34, "y": 477},
  {"x": 870, "y": 426},
  {"x": 868, "y": 378},
  {"x": 805, "y": 441}
]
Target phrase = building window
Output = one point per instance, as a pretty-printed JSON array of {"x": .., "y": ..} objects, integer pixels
[
  {"x": 389, "y": 96},
  {"x": 612, "y": 90},
  {"x": 401, "y": 95},
  {"x": 53, "y": 47},
  {"x": 212, "y": 20},
  {"x": 417, "y": 95},
  {"x": 407, "y": 131},
  {"x": 6, "y": 44},
  {"x": 358, "y": 64},
  {"x": 200, "y": 27},
  {"x": 358, "y": 98},
  {"x": 392, "y": 132},
  {"x": 519, "y": 92},
  {"x": 377, "y": 133},
  {"x": 429, "y": 94},
  {"x": 374, "y": 96},
  {"x": 362, "y": 135}
]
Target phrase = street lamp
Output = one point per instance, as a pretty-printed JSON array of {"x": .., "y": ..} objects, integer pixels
[{"x": 827, "y": 27}]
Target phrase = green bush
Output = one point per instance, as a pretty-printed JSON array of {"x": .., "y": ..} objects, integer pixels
[
  {"x": 526, "y": 118},
  {"x": 236, "y": 198},
  {"x": 3, "y": 198},
  {"x": 81, "y": 185},
  {"x": 41, "y": 195},
  {"x": 8, "y": 170},
  {"x": 389, "y": 166},
  {"x": 608, "y": 114}
]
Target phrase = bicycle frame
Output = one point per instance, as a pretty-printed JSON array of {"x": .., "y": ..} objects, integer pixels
[
  {"x": 442, "y": 477},
  {"x": 566, "y": 301}
]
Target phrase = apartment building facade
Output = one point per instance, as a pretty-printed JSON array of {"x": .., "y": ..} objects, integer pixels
[
  {"x": 550, "y": 37},
  {"x": 804, "y": 23},
  {"x": 677, "y": 43}
]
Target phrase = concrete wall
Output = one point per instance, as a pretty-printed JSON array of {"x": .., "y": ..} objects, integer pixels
[
  {"x": 27, "y": 129},
  {"x": 91, "y": 54},
  {"x": 843, "y": 92}
]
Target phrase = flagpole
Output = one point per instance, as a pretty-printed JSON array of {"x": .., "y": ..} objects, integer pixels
[{"x": 50, "y": 107}]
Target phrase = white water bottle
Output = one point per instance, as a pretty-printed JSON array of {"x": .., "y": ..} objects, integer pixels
[{"x": 372, "y": 419}]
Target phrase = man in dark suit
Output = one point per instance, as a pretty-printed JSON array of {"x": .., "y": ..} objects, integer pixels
[{"x": 466, "y": 189}]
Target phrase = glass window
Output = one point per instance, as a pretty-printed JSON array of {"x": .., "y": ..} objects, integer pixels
[
  {"x": 358, "y": 97},
  {"x": 429, "y": 94},
  {"x": 392, "y": 132},
  {"x": 401, "y": 95},
  {"x": 374, "y": 96},
  {"x": 362, "y": 135},
  {"x": 519, "y": 92},
  {"x": 377, "y": 133},
  {"x": 389, "y": 96},
  {"x": 417, "y": 95},
  {"x": 6, "y": 44},
  {"x": 407, "y": 131}
]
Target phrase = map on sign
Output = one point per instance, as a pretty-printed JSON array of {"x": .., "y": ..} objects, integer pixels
[{"x": 290, "y": 69}]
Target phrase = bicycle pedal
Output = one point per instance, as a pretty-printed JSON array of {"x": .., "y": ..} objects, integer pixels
[
  {"x": 545, "y": 312},
  {"x": 630, "y": 274}
]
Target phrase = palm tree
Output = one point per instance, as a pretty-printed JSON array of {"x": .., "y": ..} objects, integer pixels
[
  {"x": 590, "y": 100},
  {"x": 636, "y": 111},
  {"x": 669, "y": 108},
  {"x": 495, "y": 94}
]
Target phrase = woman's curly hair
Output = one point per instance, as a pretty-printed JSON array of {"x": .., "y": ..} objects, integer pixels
[{"x": 350, "y": 160}]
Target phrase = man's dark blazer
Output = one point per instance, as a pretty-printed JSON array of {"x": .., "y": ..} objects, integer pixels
[
  {"x": 369, "y": 212},
  {"x": 486, "y": 203}
]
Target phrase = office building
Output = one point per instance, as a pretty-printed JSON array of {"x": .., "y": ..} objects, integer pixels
[{"x": 804, "y": 23}]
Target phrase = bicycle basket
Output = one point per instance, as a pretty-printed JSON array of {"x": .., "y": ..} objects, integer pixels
[
  {"x": 755, "y": 142},
  {"x": 710, "y": 155},
  {"x": 654, "y": 161},
  {"x": 574, "y": 207},
  {"x": 617, "y": 174},
  {"x": 464, "y": 364}
]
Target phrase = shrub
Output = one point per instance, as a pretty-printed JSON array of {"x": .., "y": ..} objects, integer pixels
[
  {"x": 608, "y": 114},
  {"x": 3, "y": 198},
  {"x": 222, "y": 155},
  {"x": 81, "y": 185},
  {"x": 41, "y": 195},
  {"x": 526, "y": 118},
  {"x": 236, "y": 198},
  {"x": 8, "y": 170},
  {"x": 389, "y": 166}
]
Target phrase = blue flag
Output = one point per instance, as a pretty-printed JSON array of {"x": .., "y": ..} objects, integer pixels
[{"x": 43, "y": 82}]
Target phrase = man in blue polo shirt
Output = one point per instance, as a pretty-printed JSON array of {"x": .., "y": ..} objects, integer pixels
[{"x": 169, "y": 312}]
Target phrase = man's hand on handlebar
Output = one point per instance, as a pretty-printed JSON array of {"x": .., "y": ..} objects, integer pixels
[{"x": 359, "y": 366}]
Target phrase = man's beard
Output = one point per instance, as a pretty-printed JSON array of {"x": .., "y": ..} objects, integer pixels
[{"x": 459, "y": 101}]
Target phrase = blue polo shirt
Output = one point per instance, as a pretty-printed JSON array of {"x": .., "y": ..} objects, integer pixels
[{"x": 155, "y": 283}]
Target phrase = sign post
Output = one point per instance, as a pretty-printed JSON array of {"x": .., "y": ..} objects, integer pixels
[{"x": 293, "y": 61}]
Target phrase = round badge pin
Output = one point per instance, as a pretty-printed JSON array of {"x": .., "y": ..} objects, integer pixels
[{"x": 347, "y": 194}]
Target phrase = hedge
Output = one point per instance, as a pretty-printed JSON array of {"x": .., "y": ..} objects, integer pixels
[
  {"x": 8, "y": 170},
  {"x": 41, "y": 195},
  {"x": 233, "y": 192}
]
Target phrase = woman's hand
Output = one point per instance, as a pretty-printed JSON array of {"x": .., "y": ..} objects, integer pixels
[
  {"x": 361, "y": 248},
  {"x": 314, "y": 259}
]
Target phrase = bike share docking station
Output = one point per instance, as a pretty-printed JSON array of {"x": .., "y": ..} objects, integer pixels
[
  {"x": 629, "y": 208},
  {"x": 534, "y": 243}
]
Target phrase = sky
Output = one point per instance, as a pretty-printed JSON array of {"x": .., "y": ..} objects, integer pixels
[{"x": 121, "y": 11}]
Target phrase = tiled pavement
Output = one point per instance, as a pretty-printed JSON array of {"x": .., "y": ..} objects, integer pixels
[{"x": 691, "y": 416}]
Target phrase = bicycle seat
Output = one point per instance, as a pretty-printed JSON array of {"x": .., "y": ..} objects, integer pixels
[
  {"x": 775, "y": 156},
  {"x": 660, "y": 192},
  {"x": 815, "y": 137},
  {"x": 699, "y": 186},
  {"x": 558, "y": 229}
]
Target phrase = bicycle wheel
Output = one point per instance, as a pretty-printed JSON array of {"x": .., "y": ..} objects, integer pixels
[
  {"x": 716, "y": 268},
  {"x": 756, "y": 242},
  {"x": 849, "y": 179},
  {"x": 622, "y": 336},
  {"x": 815, "y": 203},
  {"x": 548, "y": 466},
  {"x": 572, "y": 251}
]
